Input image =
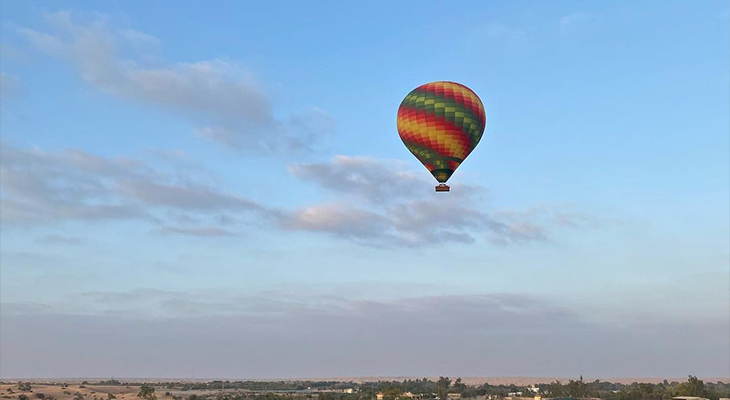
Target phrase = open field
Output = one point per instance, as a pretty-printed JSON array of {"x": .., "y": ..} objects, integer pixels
[
  {"x": 72, "y": 391},
  {"x": 67, "y": 390}
]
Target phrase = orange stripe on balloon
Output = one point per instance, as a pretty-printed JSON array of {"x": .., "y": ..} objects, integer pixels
[{"x": 439, "y": 134}]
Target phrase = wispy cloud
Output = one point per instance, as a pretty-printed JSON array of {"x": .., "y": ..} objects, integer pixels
[
  {"x": 575, "y": 20},
  {"x": 43, "y": 187},
  {"x": 342, "y": 221},
  {"x": 384, "y": 204},
  {"x": 59, "y": 240},
  {"x": 389, "y": 205},
  {"x": 221, "y": 98},
  {"x": 371, "y": 178},
  {"x": 202, "y": 231}
]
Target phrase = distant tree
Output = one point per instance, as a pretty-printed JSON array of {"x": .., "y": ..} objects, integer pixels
[
  {"x": 442, "y": 387},
  {"x": 40, "y": 395},
  {"x": 392, "y": 393},
  {"x": 459, "y": 386},
  {"x": 469, "y": 392},
  {"x": 111, "y": 396},
  {"x": 147, "y": 392},
  {"x": 693, "y": 387},
  {"x": 577, "y": 388},
  {"x": 22, "y": 397},
  {"x": 555, "y": 389},
  {"x": 24, "y": 386}
]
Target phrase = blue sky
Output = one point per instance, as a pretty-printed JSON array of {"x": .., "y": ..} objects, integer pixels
[{"x": 230, "y": 175}]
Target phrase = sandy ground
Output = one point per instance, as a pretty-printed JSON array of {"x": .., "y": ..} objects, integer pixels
[
  {"x": 54, "y": 390},
  {"x": 69, "y": 393}
]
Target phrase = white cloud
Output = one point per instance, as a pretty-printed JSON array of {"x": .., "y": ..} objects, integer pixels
[
  {"x": 383, "y": 204},
  {"x": 43, "y": 187},
  {"x": 59, "y": 240},
  {"x": 389, "y": 205},
  {"x": 368, "y": 177},
  {"x": 340, "y": 220},
  {"x": 140, "y": 39},
  {"x": 575, "y": 20},
  {"x": 221, "y": 98},
  {"x": 202, "y": 231}
]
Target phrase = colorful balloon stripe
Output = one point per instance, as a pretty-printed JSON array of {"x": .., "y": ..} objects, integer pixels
[
  {"x": 434, "y": 131},
  {"x": 447, "y": 110},
  {"x": 468, "y": 101}
]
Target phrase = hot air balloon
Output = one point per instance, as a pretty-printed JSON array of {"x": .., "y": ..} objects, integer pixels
[{"x": 441, "y": 123}]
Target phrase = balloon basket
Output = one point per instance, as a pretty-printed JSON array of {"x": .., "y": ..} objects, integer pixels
[{"x": 443, "y": 188}]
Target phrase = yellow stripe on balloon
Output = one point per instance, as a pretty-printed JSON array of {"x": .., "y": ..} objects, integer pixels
[{"x": 419, "y": 129}]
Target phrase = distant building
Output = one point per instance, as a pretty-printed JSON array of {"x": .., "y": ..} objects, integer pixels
[
  {"x": 454, "y": 395},
  {"x": 380, "y": 395},
  {"x": 689, "y": 398},
  {"x": 349, "y": 390}
]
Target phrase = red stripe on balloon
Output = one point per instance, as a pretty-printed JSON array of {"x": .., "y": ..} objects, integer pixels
[{"x": 432, "y": 121}]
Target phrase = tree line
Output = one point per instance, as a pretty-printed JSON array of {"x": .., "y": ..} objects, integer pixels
[{"x": 426, "y": 389}]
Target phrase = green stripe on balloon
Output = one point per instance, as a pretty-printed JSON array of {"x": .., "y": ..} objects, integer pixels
[
  {"x": 416, "y": 100},
  {"x": 427, "y": 155},
  {"x": 423, "y": 153},
  {"x": 443, "y": 174}
]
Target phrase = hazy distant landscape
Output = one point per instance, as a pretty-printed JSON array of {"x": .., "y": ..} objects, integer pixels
[
  {"x": 469, "y": 380},
  {"x": 370, "y": 388}
]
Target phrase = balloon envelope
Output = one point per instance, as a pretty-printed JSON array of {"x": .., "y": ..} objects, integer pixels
[{"x": 441, "y": 123}]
